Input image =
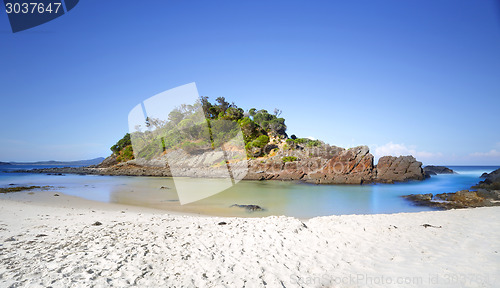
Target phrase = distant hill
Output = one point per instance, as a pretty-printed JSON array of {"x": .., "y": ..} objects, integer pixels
[{"x": 94, "y": 161}]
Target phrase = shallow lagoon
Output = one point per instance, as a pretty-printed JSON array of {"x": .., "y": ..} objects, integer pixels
[{"x": 277, "y": 197}]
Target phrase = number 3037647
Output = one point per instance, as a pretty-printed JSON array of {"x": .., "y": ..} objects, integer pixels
[{"x": 31, "y": 8}]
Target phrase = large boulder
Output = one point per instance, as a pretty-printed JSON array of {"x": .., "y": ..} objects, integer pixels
[
  {"x": 351, "y": 166},
  {"x": 392, "y": 169}
]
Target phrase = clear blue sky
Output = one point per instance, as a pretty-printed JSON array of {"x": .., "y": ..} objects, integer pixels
[{"x": 420, "y": 77}]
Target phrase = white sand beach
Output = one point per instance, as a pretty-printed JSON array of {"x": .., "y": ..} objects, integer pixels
[{"x": 51, "y": 241}]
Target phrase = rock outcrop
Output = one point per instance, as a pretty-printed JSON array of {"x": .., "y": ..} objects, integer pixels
[
  {"x": 489, "y": 188},
  {"x": 457, "y": 200},
  {"x": 324, "y": 164},
  {"x": 491, "y": 181},
  {"x": 487, "y": 194},
  {"x": 108, "y": 162},
  {"x": 464, "y": 198},
  {"x": 392, "y": 169},
  {"x": 307, "y": 161},
  {"x": 352, "y": 166},
  {"x": 435, "y": 170},
  {"x": 335, "y": 165}
]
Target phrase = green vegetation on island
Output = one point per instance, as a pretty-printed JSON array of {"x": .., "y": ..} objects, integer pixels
[
  {"x": 123, "y": 149},
  {"x": 305, "y": 141},
  {"x": 205, "y": 125}
]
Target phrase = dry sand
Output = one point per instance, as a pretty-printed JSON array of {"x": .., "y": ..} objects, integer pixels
[{"x": 51, "y": 241}]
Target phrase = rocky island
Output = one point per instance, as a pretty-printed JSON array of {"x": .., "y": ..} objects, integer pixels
[
  {"x": 344, "y": 166},
  {"x": 264, "y": 151}
]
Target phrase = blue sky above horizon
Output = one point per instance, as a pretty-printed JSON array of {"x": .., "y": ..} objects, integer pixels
[{"x": 403, "y": 77}]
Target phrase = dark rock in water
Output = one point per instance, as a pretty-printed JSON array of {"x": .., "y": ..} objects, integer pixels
[
  {"x": 463, "y": 198},
  {"x": 222, "y": 223},
  {"x": 56, "y": 194},
  {"x": 164, "y": 187},
  {"x": 494, "y": 176},
  {"x": 460, "y": 199},
  {"x": 420, "y": 198},
  {"x": 434, "y": 170},
  {"x": 41, "y": 235},
  {"x": 97, "y": 223},
  {"x": 491, "y": 181},
  {"x": 392, "y": 169},
  {"x": 249, "y": 208},
  {"x": 487, "y": 194}
]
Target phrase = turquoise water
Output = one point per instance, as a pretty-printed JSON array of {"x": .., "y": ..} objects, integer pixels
[{"x": 278, "y": 198}]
